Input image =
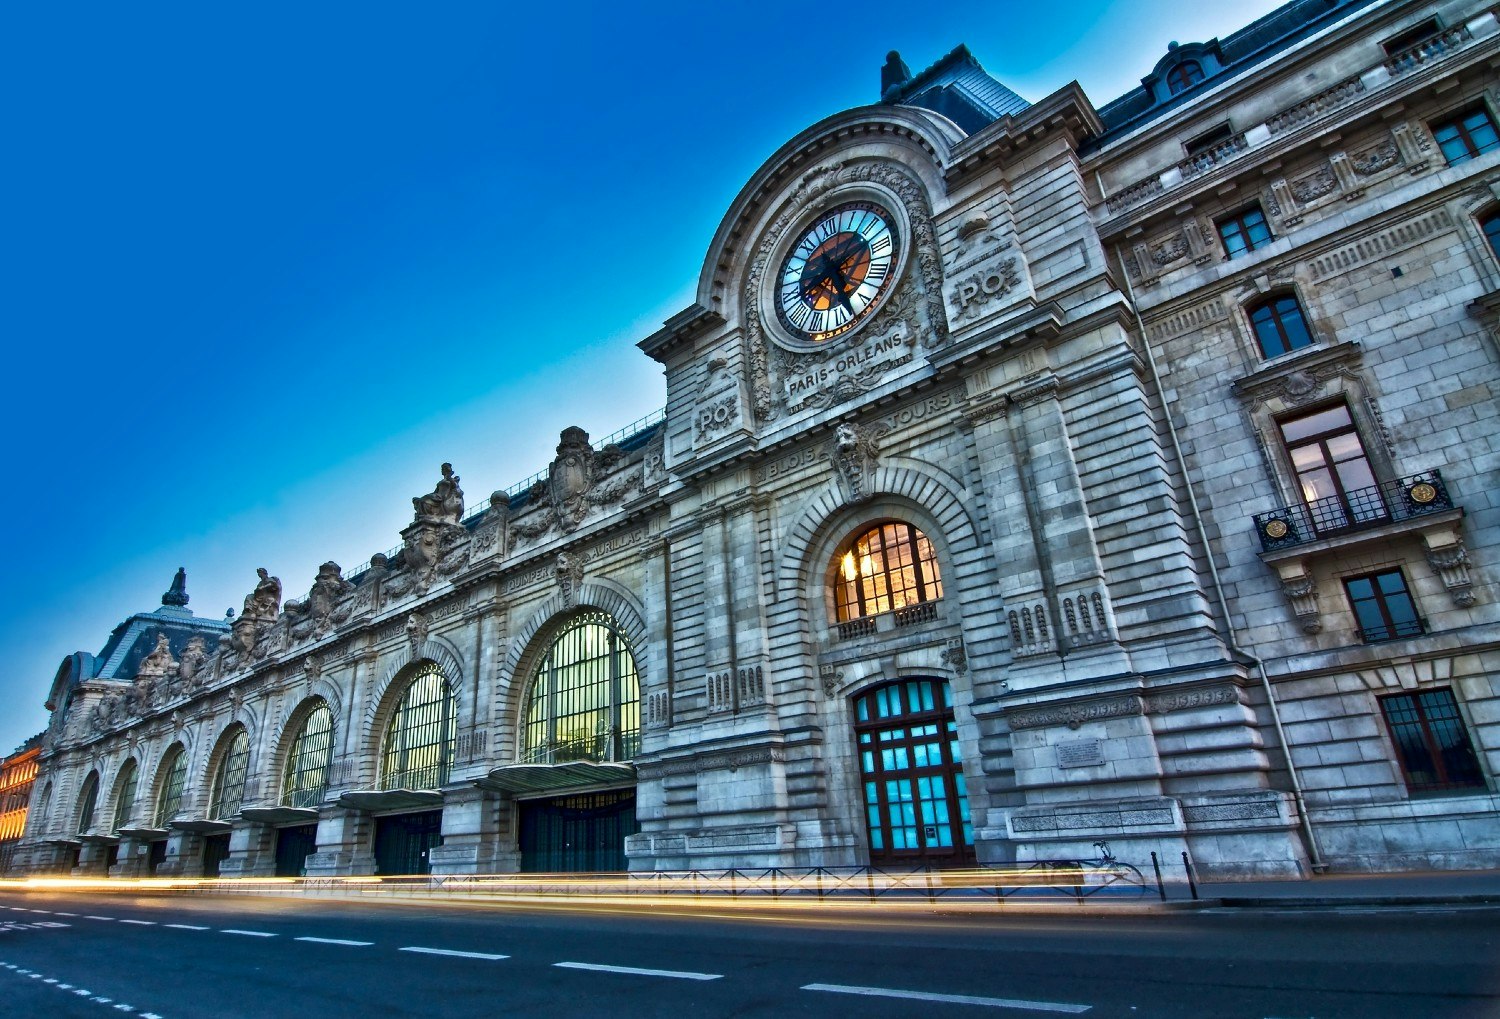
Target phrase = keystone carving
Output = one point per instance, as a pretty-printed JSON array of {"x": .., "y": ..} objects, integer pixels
[
  {"x": 569, "y": 573},
  {"x": 856, "y": 453},
  {"x": 416, "y": 632}
]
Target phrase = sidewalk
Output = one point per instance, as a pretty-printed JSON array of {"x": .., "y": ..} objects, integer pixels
[{"x": 1405, "y": 889}]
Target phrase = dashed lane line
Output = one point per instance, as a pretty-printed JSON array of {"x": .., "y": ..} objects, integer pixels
[
  {"x": 952, "y": 999},
  {"x": 453, "y": 952},
  {"x": 636, "y": 971},
  {"x": 248, "y": 934},
  {"x": 186, "y": 926},
  {"x": 141, "y": 923},
  {"x": 88, "y": 917},
  {"x": 337, "y": 941},
  {"x": 98, "y": 999}
]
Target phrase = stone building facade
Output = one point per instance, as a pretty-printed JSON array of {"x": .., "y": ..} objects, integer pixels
[{"x": 1031, "y": 474}]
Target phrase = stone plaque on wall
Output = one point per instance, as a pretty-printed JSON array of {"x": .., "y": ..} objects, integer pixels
[{"x": 1080, "y": 753}]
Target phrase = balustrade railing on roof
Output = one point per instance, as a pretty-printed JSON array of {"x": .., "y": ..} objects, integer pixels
[{"x": 1428, "y": 50}]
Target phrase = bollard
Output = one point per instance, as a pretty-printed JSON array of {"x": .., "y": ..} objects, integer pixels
[
  {"x": 1156, "y": 866},
  {"x": 1192, "y": 885}
]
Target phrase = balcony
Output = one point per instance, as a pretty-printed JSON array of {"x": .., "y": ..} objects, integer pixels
[{"x": 1419, "y": 495}]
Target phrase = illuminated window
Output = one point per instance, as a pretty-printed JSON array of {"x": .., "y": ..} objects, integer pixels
[
  {"x": 1279, "y": 325},
  {"x": 890, "y": 566},
  {"x": 1431, "y": 741},
  {"x": 1466, "y": 135},
  {"x": 125, "y": 796},
  {"x": 88, "y": 801},
  {"x": 306, "y": 776},
  {"x": 169, "y": 798},
  {"x": 229, "y": 779},
  {"x": 1184, "y": 76},
  {"x": 585, "y": 700},
  {"x": 419, "y": 741},
  {"x": 1333, "y": 470}
]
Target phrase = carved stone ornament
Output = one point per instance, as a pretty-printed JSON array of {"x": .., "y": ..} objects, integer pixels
[
  {"x": 190, "y": 670},
  {"x": 569, "y": 574},
  {"x": 954, "y": 656},
  {"x": 855, "y": 452},
  {"x": 1302, "y": 593},
  {"x": 264, "y": 602},
  {"x": 971, "y": 291},
  {"x": 159, "y": 662},
  {"x": 830, "y": 677},
  {"x": 578, "y": 479},
  {"x": 416, "y": 632},
  {"x": 444, "y": 504},
  {"x": 312, "y": 666},
  {"x": 654, "y": 463},
  {"x": 1373, "y": 160},
  {"x": 721, "y": 403},
  {"x": 1315, "y": 185},
  {"x": 489, "y": 536},
  {"x": 1451, "y": 564},
  {"x": 1074, "y": 715},
  {"x": 915, "y": 303},
  {"x": 326, "y": 605},
  {"x": 1170, "y": 250}
]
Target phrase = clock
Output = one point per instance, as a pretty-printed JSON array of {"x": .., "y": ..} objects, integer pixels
[{"x": 836, "y": 273}]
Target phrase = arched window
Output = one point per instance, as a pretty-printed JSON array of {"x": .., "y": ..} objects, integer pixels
[
  {"x": 88, "y": 801},
  {"x": 124, "y": 796},
  {"x": 306, "y": 777},
  {"x": 419, "y": 741},
  {"x": 910, "y": 762},
  {"x": 585, "y": 700},
  {"x": 1491, "y": 226},
  {"x": 1279, "y": 325},
  {"x": 229, "y": 778},
  {"x": 172, "y": 775},
  {"x": 1184, "y": 76},
  {"x": 43, "y": 808},
  {"x": 890, "y": 566}
]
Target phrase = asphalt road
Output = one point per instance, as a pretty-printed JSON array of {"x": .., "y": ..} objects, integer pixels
[{"x": 172, "y": 957}]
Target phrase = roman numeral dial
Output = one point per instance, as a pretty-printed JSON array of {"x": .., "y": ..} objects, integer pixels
[{"x": 837, "y": 271}]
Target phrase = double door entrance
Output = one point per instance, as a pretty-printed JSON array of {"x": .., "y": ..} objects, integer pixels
[
  {"x": 577, "y": 834},
  {"x": 403, "y": 843}
]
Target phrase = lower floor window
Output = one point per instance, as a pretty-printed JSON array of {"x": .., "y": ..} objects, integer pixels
[
  {"x": 1431, "y": 741},
  {"x": 1383, "y": 606}
]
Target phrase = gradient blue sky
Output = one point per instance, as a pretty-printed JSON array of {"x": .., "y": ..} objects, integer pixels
[{"x": 265, "y": 267}]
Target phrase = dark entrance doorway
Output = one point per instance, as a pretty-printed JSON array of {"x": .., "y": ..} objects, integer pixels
[
  {"x": 402, "y": 842},
  {"x": 292, "y": 848},
  {"x": 215, "y": 852},
  {"x": 916, "y": 806},
  {"x": 577, "y": 834},
  {"x": 156, "y": 857}
]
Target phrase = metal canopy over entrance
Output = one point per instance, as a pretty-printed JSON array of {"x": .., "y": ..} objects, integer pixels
[
  {"x": 576, "y": 834},
  {"x": 403, "y": 841},
  {"x": 525, "y": 779}
]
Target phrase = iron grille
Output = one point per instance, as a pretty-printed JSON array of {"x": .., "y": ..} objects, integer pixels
[
  {"x": 307, "y": 765},
  {"x": 125, "y": 798},
  {"x": 229, "y": 781},
  {"x": 419, "y": 741},
  {"x": 170, "y": 798},
  {"x": 1414, "y": 496},
  {"x": 585, "y": 701}
]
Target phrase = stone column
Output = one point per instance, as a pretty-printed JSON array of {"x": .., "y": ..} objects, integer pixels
[{"x": 471, "y": 834}]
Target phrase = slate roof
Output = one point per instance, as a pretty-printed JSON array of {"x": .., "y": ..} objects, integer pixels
[{"x": 961, "y": 90}]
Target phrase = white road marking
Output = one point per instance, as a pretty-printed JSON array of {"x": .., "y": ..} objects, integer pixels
[
  {"x": 952, "y": 999},
  {"x": 336, "y": 941},
  {"x": 83, "y": 992},
  {"x": 86, "y": 917},
  {"x": 453, "y": 952},
  {"x": 61, "y": 913},
  {"x": 50, "y": 980},
  {"x": 50, "y": 923},
  {"x": 141, "y": 923},
  {"x": 186, "y": 926},
  {"x": 248, "y": 934},
  {"x": 677, "y": 974}
]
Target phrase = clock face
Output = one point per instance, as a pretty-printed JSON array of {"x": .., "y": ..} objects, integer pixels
[{"x": 837, "y": 271}]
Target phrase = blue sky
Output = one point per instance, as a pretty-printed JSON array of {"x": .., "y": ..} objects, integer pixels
[{"x": 264, "y": 268}]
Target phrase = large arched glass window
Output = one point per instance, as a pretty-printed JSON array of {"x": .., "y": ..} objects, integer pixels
[
  {"x": 585, "y": 700},
  {"x": 1279, "y": 325},
  {"x": 306, "y": 777},
  {"x": 228, "y": 790},
  {"x": 88, "y": 802},
  {"x": 124, "y": 796},
  {"x": 419, "y": 741},
  {"x": 890, "y": 566},
  {"x": 172, "y": 776}
]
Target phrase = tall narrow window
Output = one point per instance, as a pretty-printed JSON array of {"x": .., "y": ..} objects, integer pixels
[
  {"x": 1245, "y": 231},
  {"x": 1184, "y": 76},
  {"x": 1383, "y": 606},
  {"x": 125, "y": 796},
  {"x": 306, "y": 777},
  {"x": 1431, "y": 741},
  {"x": 173, "y": 777},
  {"x": 585, "y": 700},
  {"x": 88, "y": 801},
  {"x": 419, "y": 741},
  {"x": 888, "y": 567},
  {"x": 1279, "y": 325},
  {"x": 229, "y": 778},
  {"x": 1491, "y": 226},
  {"x": 1466, "y": 135},
  {"x": 1333, "y": 471}
]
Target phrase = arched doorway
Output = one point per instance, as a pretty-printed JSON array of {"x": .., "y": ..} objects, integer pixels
[{"x": 911, "y": 774}]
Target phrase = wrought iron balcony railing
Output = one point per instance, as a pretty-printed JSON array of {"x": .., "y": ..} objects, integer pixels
[{"x": 1362, "y": 509}]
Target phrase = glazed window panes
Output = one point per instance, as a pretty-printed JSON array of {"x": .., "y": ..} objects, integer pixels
[
  {"x": 169, "y": 799},
  {"x": 1467, "y": 135},
  {"x": 1244, "y": 231},
  {"x": 229, "y": 779},
  {"x": 306, "y": 777},
  {"x": 888, "y": 567},
  {"x": 419, "y": 741},
  {"x": 125, "y": 801},
  {"x": 1279, "y": 326},
  {"x": 1333, "y": 472},
  {"x": 1185, "y": 75},
  {"x": 1383, "y": 606},
  {"x": 585, "y": 702},
  {"x": 1431, "y": 741},
  {"x": 1491, "y": 227},
  {"x": 88, "y": 801},
  {"x": 916, "y": 803}
]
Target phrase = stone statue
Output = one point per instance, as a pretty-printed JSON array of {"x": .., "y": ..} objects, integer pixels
[
  {"x": 265, "y": 601},
  {"x": 159, "y": 662},
  {"x": 177, "y": 593},
  {"x": 445, "y": 504},
  {"x": 194, "y": 657}
]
